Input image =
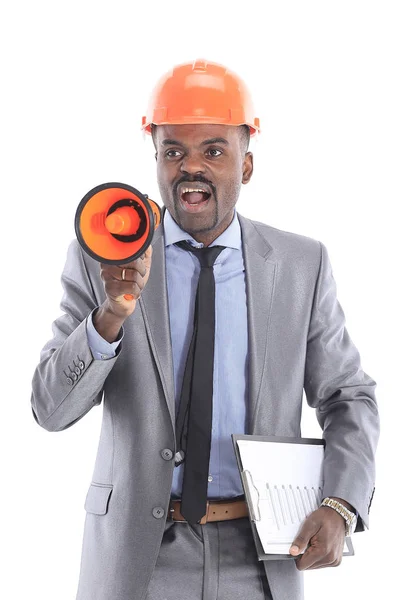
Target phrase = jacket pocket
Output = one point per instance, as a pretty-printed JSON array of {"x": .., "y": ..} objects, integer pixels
[{"x": 97, "y": 498}]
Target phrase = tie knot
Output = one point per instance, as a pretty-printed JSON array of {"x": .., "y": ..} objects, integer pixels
[{"x": 206, "y": 256}]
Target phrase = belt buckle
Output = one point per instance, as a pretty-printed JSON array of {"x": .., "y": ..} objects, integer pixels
[{"x": 203, "y": 520}]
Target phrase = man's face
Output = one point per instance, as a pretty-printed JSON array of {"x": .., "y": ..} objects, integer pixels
[{"x": 200, "y": 169}]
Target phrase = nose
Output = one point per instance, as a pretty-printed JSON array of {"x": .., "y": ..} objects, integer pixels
[{"x": 192, "y": 164}]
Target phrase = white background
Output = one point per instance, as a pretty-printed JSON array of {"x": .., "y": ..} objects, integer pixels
[{"x": 75, "y": 81}]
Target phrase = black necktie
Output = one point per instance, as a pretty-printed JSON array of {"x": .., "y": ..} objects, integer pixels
[{"x": 197, "y": 391}]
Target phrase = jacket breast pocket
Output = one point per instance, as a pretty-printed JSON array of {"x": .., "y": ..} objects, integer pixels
[{"x": 97, "y": 498}]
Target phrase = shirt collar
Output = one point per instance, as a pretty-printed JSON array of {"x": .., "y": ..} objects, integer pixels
[{"x": 230, "y": 238}]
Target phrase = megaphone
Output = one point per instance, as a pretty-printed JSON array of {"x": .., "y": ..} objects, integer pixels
[{"x": 115, "y": 223}]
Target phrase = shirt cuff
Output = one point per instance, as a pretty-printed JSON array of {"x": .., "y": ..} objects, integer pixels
[{"x": 100, "y": 348}]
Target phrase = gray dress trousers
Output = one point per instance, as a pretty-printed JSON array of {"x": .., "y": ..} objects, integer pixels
[{"x": 215, "y": 561}]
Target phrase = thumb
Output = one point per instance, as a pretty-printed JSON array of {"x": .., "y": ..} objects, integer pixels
[{"x": 301, "y": 541}]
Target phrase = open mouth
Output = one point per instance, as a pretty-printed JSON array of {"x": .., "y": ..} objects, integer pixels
[{"x": 194, "y": 196}]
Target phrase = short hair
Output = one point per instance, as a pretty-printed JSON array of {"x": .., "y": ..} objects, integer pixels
[
  {"x": 244, "y": 134},
  {"x": 153, "y": 132}
]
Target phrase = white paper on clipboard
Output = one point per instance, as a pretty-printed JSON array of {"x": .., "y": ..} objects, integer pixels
[{"x": 283, "y": 484}]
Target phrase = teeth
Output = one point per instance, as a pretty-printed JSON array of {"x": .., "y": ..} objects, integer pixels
[{"x": 188, "y": 190}]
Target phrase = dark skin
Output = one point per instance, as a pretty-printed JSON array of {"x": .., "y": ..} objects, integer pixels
[
  {"x": 321, "y": 538},
  {"x": 224, "y": 164},
  {"x": 216, "y": 157},
  {"x": 111, "y": 315},
  {"x": 210, "y": 154}
]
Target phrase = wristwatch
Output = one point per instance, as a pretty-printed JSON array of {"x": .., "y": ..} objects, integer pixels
[{"x": 348, "y": 516}]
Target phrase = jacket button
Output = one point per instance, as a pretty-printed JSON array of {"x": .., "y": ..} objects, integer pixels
[
  {"x": 69, "y": 381},
  {"x": 73, "y": 376},
  {"x": 77, "y": 370},
  {"x": 158, "y": 512},
  {"x": 81, "y": 365},
  {"x": 167, "y": 454}
]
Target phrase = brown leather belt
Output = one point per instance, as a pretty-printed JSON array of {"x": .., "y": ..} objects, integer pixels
[{"x": 218, "y": 510}]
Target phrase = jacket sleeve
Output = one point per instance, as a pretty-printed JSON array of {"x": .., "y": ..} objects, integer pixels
[
  {"x": 344, "y": 398},
  {"x": 68, "y": 382}
]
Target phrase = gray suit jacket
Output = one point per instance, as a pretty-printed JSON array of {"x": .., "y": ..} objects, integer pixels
[{"x": 297, "y": 339}]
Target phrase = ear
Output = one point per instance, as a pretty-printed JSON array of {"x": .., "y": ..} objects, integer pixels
[{"x": 247, "y": 167}]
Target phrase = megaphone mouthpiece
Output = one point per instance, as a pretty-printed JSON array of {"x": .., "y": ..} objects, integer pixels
[{"x": 124, "y": 221}]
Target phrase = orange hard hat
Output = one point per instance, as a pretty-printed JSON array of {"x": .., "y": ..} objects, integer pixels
[{"x": 200, "y": 92}]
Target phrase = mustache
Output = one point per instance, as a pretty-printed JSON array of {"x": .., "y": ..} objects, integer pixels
[{"x": 198, "y": 178}]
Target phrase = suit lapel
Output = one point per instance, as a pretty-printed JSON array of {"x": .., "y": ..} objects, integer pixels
[
  {"x": 154, "y": 305},
  {"x": 260, "y": 280}
]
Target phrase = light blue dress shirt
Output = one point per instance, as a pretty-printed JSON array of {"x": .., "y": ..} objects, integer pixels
[{"x": 230, "y": 382}]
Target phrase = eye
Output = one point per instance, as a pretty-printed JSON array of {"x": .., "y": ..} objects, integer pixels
[
  {"x": 215, "y": 152},
  {"x": 173, "y": 153}
]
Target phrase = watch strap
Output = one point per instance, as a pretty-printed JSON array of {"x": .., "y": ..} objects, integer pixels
[{"x": 349, "y": 517}]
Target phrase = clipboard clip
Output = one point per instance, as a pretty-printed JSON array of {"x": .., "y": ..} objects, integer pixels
[{"x": 252, "y": 500}]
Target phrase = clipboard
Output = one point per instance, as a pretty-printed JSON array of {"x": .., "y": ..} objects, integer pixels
[{"x": 282, "y": 483}]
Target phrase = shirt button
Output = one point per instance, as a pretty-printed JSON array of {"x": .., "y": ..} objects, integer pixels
[
  {"x": 158, "y": 512},
  {"x": 210, "y": 478}
]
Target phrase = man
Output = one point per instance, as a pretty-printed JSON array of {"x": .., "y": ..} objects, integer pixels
[{"x": 278, "y": 329}]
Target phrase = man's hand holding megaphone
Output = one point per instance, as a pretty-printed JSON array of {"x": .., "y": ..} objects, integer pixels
[
  {"x": 114, "y": 224},
  {"x": 119, "y": 282}
]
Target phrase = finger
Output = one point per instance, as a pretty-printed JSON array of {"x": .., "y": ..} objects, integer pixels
[
  {"x": 123, "y": 273},
  {"x": 114, "y": 289},
  {"x": 302, "y": 539},
  {"x": 130, "y": 269},
  {"x": 319, "y": 554},
  {"x": 331, "y": 557},
  {"x": 310, "y": 557},
  {"x": 334, "y": 563},
  {"x": 149, "y": 252},
  {"x": 143, "y": 258},
  {"x": 130, "y": 274}
]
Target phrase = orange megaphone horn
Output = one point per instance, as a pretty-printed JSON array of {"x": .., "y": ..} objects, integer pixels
[{"x": 115, "y": 223}]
